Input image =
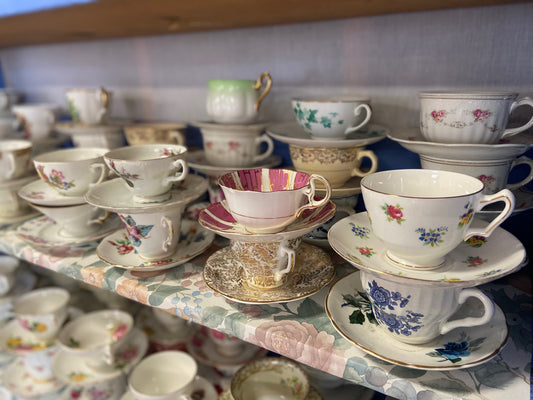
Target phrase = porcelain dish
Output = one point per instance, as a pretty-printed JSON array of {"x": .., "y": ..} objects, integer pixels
[
  {"x": 19, "y": 218},
  {"x": 459, "y": 348},
  {"x": 313, "y": 269},
  {"x": 41, "y": 193},
  {"x": 197, "y": 161},
  {"x": 292, "y": 133},
  {"x": 202, "y": 390},
  {"x": 472, "y": 263},
  {"x": 19, "y": 382}
]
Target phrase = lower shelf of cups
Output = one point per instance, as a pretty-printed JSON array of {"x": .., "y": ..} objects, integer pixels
[{"x": 300, "y": 330}]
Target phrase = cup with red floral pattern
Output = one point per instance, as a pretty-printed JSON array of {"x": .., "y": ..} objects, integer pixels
[
  {"x": 226, "y": 345},
  {"x": 421, "y": 215},
  {"x": 469, "y": 117},
  {"x": 42, "y": 312},
  {"x": 96, "y": 337},
  {"x": 71, "y": 172}
]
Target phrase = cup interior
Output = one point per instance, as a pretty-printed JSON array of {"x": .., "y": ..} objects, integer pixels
[
  {"x": 41, "y": 301},
  {"x": 14, "y": 145},
  {"x": 264, "y": 180},
  {"x": 69, "y": 155},
  {"x": 146, "y": 152}
]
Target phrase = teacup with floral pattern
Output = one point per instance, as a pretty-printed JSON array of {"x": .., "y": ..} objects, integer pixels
[{"x": 88, "y": 106}]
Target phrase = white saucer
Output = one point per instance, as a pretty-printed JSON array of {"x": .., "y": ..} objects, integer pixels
[
  {"x": 39, "y": 192},
  {"x": 198, "y": 162},
  {"x": 469, "y": 264},
  {"x": 18, "y": 381},
  {"x": 412, "y": 140},
  {"x": 28, "y": 177},
  {"x": 19, "y": 218},
  {"x": 202, "y": 390},
  {"x": 313, "y": 394},
  {"x": 71, "y": 128},
  {"x": 216, "y": 217},
  {"x": 45, "y": 233},
  {"x": 291, "y": 133},
  {"x": 484, "y": 341},
  {"x": 194, "y": 239},
  {"x": 71, "y": 369},
  {"x": 313, "y": 270},
  {"x": 115, "y": 195},
  {"x": 14, "y": 339}
]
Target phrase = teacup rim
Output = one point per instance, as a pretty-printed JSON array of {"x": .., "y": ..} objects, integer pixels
[
  {"x": 225, "y": 187},
  {"x": 156, "y": 125},
  {"x": 331, "y": 99},
  {"x": 43, "y": 158},
  {"x": 41, "y": 292},
  {"x": 29, "y": 106},
  {"x": 112, "y": 154},
  {"x": 472, "y": 94},
  {"x": 87, "y": 89}
]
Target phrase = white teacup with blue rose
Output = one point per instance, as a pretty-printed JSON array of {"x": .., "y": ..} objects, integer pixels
[
  {"x": 414, "y": 313},
  {"x": 331, "y": 117}
]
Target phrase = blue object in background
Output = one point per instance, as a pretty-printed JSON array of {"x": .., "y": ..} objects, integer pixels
[{"x": 9, "y": 8}]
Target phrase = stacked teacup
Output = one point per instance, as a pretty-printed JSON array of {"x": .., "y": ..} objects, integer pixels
[
  {"x": 8, "y": 122},
  {"x": 32, "y": 337},
  {"x": 37, "y": 120}
]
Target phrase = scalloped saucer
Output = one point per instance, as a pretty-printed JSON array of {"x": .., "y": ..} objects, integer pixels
[
  {"x": 117, "y": 250},
  {"x": 472, "y": 263},
  {"x": 313, "y": 394},
  {"x": 292, "y": 133},
  {"x": 217, "y": 218},
  {"x": 202, "y": 390},
  {"x": 39, "y": 192},
  {"x": 473, "y": 346},
  {"x": 45, "y": 233},
  {"x": 223, "y": 273},
  {"x": 18, "y": 381},
  {"x": 71, "y": 369},
  {"x": 19, "y": 218}
]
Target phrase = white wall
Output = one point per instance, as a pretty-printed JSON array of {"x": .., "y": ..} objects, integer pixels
[{"x": 388, "y": 57}]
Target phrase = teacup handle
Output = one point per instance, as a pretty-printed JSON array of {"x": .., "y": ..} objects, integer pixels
[
  {"x": 519, "y": 161},
  {"x": 259, "y": 84},
  {"x": 179, "y": 176},
  {"x": 523, "y": 101},
  {"x": 103, "y": 174},
  {"x": 488, "y": 305},
  {"x": 504, "y": 195},
  {"x": 357, "y": 111},
  {"x": 167, "y": 223},
  {"x": 373, "y": 163},
  {"x": 311, "y": 194},
  {"x": 109, "y": 357},
  {"x": 12, "y": 164},
  {"x": 291, "y": 258},
  {"x": 177, "y": 137},
  {"x": 270, "y": 147},
  {"x": 99, "y": 219}
]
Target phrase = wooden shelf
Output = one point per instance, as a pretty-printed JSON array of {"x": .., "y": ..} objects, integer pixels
[{"x": 119, "y": 18}]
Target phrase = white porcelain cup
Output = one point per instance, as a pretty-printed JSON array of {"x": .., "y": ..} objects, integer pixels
[
  {"x": 231, "y": 101},
  {"x": 14, "y": 158},
  {"x": 416, "y": 313},
  {"x": 166, "y": 375},
  {"x": 267, "y": 200},
  {"x": 71, "y": 172},
  {"x": 494, "y": 174},
  {"x": 96, "y": 337},
  {"x": 331, "y": 117},
  {"x": 8, "y": 98},
  {"x": 42, "y": 311},
  {"x": 75, "y": 221},
  {"x": 37, "y": 120},
  {"x": 88, "y": 106},
  {"x": 421, "y": 215},
  {"x": 469, "y": 117},
  {"x": 149, "y": 170},
  {"x": 39, "y": 363},
  {"x": 107, "y": 389},
  {"x": 8, "y": 273}
]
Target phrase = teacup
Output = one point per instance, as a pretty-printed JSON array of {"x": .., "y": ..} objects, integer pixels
[
  {"x": 11, "y": 204},
  {"x": 71, "y": 172},
  {"x": 96, "y": 337},
  {"x": 75, "y": 221},
  {"x": 415, "y": 313},
  {"x": 337, "y": 165},
  {"x": 331, "y": 117},
  {"x": 8, "y": 98},
  {"x": 154, "y": 232},
  {"x": 266, "y": 265},
  {"x": 226, "y": 345},
  {"x": 493, "y": 174},
  {"x": 155, "y": 133},
  {"x": 149, "y": 170},
  {"x": 228, "y": 149},
  {"x": 270, "y": 378},
  {"x": 14, "y": 158},
  {"x": 42, "y": 311},
  {"x": 166, "y": 375},
  {"x": 88, "y": 106},
  {"x": 267, "y": 200},
  {"x": 111, "y": 388},
  {"x": 469, "y": 117},
  {"x": 8, "y": 269},
  {"x": 38, "y": 363},
  {"x": 231, "y": 101},
  {"x": 421, "y": 215},
  {"x": 8, "y": 125},
  {"x": 170, "y": 322},
  {"x": 37, "y": 120}
]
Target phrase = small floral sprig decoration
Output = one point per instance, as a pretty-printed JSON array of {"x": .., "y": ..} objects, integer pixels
[
  {"x": 360, "y": 231},
  {"x": 480, "y": 115},
  {"x": 393, "y": 213},
  {"x": 432, "y": 237},
  {"x": 438, "y": 116},
  {"x": 455, "y": 351},
  {"x": 474, "y": 261},
  {"x": 467, "y": 216},
  {"x": 363, "y": 311}
]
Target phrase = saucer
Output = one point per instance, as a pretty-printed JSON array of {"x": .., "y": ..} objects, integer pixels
[
  {"x": 217, "y": 218},
  {"x": 472, "y": 263},
  {"x": 412, "y": 140},
  {"x": 116, "y": 249},
  {"x": 473, "y": 346},
  {"x": 29, "y": 176},
  {"x": 230, "y": 128},
  {"x": 18, "y": 381},
  {"x": 313, "y": 394},
  {"x": 312, "y": 271},
  {"x": 71, "y": 369},
  {"x": 19, "y": 218},
  {"x": 198, "y": 162},
  {"x": 40, "y": 193},
  {"x": 45, "y": 233},
  {"x": 115, "y": 195},
  {"x": 71, "y": 128},
  {"x": 292, "y": 133},
  {"x": 202, "y": 390},
  {"x": 14, "y": 339}
]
